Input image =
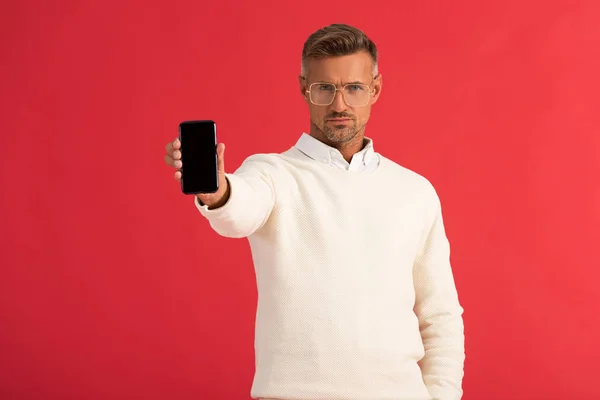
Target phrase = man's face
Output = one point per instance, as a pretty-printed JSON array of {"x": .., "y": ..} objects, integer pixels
[{"x": 340, "y": 122}]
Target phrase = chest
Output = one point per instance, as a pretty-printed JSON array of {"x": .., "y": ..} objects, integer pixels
[{"x": 351, "y": 218}]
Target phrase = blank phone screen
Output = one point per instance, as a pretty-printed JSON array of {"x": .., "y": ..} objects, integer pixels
[{"x": 198, "y": 157}]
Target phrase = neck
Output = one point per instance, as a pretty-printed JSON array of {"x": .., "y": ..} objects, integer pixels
[{"x": 347, "y": 148}]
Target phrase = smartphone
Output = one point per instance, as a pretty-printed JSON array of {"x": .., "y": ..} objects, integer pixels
[{"x": 199, "y": 172}]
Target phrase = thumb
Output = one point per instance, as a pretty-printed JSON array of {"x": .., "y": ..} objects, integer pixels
[{"x": 221, "y": 158}]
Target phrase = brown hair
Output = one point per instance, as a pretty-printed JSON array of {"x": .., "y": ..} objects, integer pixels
[{"x": 338, "y": 40}]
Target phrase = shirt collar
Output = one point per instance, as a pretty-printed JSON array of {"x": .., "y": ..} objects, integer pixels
[{"x": 322, "y": 152}]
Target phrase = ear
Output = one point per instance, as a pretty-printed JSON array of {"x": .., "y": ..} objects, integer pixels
[
  {"x": 377, "y": 84},
  {"x": 303, "y": 87}
]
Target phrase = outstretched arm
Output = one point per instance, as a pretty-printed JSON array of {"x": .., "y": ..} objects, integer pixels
[{"x": 249, "y": 202}]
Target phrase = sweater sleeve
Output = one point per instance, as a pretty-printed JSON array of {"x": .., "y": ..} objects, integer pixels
[
  {"x": 250, "y": 202},
  {"x": 440, "y": 314}
]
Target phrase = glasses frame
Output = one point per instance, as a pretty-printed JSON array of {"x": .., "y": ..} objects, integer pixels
[{"x": 371, "y": 91}]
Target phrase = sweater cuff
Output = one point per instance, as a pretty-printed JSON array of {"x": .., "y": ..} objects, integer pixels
[
  {"x": 241, "y": 215},
  {"x": 225, "y": 208}
]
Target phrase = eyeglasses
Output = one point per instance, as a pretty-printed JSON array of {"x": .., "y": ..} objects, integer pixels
[{"x": 354, "y": 94}]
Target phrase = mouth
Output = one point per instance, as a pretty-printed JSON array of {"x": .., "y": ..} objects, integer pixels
[{"x": 338, "y": 120}]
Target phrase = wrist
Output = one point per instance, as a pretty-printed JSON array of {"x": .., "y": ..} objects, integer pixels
[{"x": 216, "y": 200}]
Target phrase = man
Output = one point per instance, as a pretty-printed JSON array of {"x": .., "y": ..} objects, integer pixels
[{"x": 356, "y": 297}]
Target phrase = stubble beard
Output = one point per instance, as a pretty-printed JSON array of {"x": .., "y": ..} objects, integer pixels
[{"x": 340, "y": 134}]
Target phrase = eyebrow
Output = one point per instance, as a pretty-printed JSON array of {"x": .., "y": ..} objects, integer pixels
[{"x": 344, "y": 83}]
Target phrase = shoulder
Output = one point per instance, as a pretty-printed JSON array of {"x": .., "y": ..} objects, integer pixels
[
  {"x": 404, "y": 174},
  {"x": 263, "y": 159},
  {"x": 291, "y": 159},
  {"x": 262, "y": 163},
  {"x": 419, "y": 185}
]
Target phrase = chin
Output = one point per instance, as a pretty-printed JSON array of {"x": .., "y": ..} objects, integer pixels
[{"x": 342, "y": 135}]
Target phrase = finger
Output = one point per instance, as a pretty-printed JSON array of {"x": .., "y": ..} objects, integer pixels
[
  {"x": 176, "y": 154},
  {"x": 176, "y": 144},
  {"x": 177, "y": 175},
  {"x": 169, "y": 148},
  {"x": 221, "y": 157},
  {"x": 173, "y": 163}
]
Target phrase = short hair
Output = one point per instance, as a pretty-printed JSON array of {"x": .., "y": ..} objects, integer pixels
[{"x": 338, "y": 40}]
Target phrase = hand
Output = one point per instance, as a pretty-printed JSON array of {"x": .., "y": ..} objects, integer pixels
[{"x": 212, "y": 200}]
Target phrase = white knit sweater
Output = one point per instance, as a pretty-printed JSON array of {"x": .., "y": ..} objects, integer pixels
[{"x": 356, "y": 296}]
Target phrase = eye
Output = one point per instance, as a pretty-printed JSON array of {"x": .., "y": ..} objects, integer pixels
[
  {"x": 355, "y": 88},
  {"x": 325, "y": 88}
]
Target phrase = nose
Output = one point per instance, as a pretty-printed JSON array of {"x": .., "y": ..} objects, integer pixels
[{"x": 338, "y": 104}]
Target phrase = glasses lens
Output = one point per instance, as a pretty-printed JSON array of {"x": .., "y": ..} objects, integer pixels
[
  {"x": 322, "y": 94},
  {"x": 356, "y": 95}
]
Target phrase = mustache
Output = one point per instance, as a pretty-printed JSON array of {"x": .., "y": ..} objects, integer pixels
[{"x": 339, "y": 115}]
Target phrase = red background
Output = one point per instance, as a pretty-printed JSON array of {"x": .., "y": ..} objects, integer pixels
[{"x": 112, "y": 286}]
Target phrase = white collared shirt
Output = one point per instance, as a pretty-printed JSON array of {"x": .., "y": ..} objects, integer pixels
[{"x": 365, "y": 160}]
